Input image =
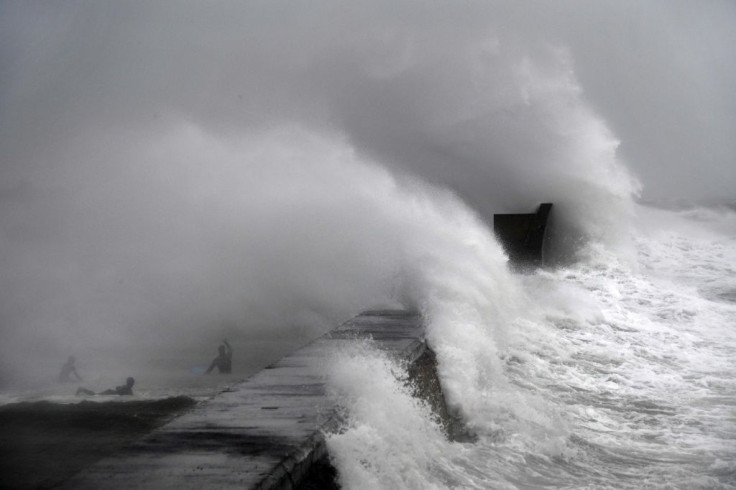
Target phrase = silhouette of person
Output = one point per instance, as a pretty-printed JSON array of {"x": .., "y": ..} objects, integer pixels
[
  {"x": 126, "y": 389},
  {"x": 67, "y": 370},
  {"x": 224, "y": 360}
]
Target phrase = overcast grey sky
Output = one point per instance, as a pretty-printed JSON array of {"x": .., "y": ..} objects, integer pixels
[
  {"x": 660, "y": 73},
  {"x": 190, "y": 163}
]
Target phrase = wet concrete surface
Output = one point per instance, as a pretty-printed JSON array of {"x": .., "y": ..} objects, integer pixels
[{"x": 264, "y": 433}]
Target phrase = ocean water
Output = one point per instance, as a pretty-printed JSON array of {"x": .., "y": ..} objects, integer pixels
[
  {"x": 618, "y": 371},
  {"x": 269, "y": 183}
]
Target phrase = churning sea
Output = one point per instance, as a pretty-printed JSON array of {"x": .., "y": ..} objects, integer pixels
[
  {"x": 615, "y": 372},
  {"x": 618, "y": 371}
]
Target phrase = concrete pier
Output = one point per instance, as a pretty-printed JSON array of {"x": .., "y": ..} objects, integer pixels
[
  {"x": 523, "y": 235},
  {"x": 264, "y": 433}
]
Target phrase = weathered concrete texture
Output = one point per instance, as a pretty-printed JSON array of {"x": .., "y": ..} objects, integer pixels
[{"x": 264, "y": 433}]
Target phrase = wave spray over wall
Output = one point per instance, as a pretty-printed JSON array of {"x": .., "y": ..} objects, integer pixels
[{"x": 257, "y": 171}]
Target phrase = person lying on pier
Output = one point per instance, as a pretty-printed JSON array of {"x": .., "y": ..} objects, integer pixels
[
  {"x": 67, "y": 370},
  {"x": 224, "y": 360},
  {"x": 126, "y": 389}
]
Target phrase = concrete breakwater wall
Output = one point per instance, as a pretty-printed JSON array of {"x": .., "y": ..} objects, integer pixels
[{"x": 266, "y": 432}]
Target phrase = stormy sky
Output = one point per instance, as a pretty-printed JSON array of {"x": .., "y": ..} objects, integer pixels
[{"x": 174, "y": 168}]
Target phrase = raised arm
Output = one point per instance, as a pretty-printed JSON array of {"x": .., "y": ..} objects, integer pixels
[{"x": 229, "y": 351}]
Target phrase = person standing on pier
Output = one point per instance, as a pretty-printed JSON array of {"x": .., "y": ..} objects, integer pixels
[
  {"x": 224, "y": 360},
  {"x": 65, "y": 376}
]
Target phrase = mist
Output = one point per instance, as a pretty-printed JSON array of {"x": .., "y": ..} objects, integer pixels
[{"x": 171, "y": 173}]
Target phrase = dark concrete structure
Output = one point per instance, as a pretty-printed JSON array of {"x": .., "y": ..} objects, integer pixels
[
  {"x": 265, "y": 433},
  {"x": 523, "y": 235}
]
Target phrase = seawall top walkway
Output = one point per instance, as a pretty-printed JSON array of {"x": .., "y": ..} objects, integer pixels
[{"x": 263, "y": 433}]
